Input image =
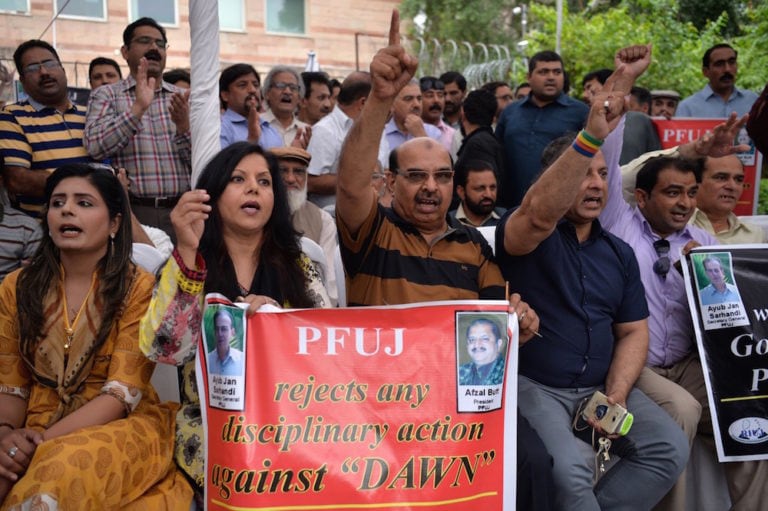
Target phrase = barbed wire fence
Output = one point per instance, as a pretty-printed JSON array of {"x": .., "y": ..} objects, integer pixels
[{"x": 478, "y": 62}]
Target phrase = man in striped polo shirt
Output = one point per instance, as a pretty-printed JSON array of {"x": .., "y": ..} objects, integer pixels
[
  {"x": 42, "y": 133},
  {"x": 409, "y": 253}
]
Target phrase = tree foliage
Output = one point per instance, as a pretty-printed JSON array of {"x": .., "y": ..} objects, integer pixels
[{"x": 680, "y": 30}]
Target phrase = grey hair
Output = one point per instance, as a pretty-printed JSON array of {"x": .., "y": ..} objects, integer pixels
[{"x": 267, "y": 84}]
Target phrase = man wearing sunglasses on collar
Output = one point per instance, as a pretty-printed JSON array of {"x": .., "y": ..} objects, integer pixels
[{"x": 657, "y": 229}]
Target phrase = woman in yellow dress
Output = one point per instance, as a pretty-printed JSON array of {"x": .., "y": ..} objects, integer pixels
[{"x": 80, "y": 424}]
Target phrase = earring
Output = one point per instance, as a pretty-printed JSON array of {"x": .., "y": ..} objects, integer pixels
[{"x": 112, "y": 236}]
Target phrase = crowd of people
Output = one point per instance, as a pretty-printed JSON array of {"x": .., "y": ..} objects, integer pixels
[{"x": 393, "y": 172}]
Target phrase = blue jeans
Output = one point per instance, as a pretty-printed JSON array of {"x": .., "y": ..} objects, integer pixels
[{"x": 654, "y": 453}]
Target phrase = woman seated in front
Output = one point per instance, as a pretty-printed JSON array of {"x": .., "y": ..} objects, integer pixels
[
  {"x": 80, "y": 424},
  {"x": 234, "y": 237}
]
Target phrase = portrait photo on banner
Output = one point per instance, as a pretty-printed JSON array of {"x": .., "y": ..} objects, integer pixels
[
  {"x": 718, "y": 292},
  {"x": 223, "y": 336},
  {"x": 481, "y": 360}
]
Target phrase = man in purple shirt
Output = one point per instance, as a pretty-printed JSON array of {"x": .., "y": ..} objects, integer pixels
[{"x": 658, "y": 230}]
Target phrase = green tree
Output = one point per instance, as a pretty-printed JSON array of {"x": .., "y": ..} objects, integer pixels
[{"x": 594, "y": 29}]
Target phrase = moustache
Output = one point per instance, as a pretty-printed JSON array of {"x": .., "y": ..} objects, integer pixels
[
  {"x": 726, "y": 76},
  {"x": 153, "y": 55},
  {"x": 435, "y": 108}
]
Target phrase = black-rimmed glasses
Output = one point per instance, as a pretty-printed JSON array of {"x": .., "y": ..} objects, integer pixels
[{"x": 662, "y": 264}]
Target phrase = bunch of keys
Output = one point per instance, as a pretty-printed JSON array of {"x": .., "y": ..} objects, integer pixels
[{"x": 602, "y": 457}]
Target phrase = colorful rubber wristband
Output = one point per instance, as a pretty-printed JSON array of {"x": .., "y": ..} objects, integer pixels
[{"x": 585, "y": 146}]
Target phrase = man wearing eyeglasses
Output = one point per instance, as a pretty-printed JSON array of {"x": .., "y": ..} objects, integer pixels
[
  {"x": 43, "y": 132},
  {"x": 720, "y": 96},
  {"x": 283, "y": 87},
  {"x": 586, "y": 283},
  {"x": 141, "y": 124},
  {"x": 408, "y": 254},
  {"x": 432, "y": 106}
]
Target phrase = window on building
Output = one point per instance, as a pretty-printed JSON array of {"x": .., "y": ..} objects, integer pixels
[
  {"x": 14, "y": 5},
  {"x": 231, "y": 15},
  {"x": 96, "y": 9},
  {"x": 285, "y": 16},
  {"x": 162, "y": 11}
]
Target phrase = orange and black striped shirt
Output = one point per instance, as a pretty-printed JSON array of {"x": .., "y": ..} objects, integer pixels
[{"x": 390, "y": 262}]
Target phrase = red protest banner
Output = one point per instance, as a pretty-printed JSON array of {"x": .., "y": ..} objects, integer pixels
[
  {"x": 680, "y": 130},
  {"x": 360, "y": 408}
]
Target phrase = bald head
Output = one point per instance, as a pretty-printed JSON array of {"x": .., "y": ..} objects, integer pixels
[
  {"x": 417, "y": 147},
  {"x": 422, "y": 174},
  {"x": 354, "y": 87}
]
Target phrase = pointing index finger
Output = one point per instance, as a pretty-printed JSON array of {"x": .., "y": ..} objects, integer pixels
[{"x": 394, "y": 28}]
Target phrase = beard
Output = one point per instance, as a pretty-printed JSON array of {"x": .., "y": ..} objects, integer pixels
[
  {"x": 479, "y": 208},
  {"x": 296, "y": 199}
]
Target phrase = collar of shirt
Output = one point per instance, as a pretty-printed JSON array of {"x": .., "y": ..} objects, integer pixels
[
  {"x": 232, "y": 356},
  {"x": 39, "y": 106},
  {"x": 391, "y": 127},
  {"x": 686, "y": 233},
  {"x": 442, "y": 126},
  {"x": 129, "y": 83},
  {"x": 409, "y": 227},
  {"x": 707, "y": 93},
  {"x": 461, "y": 216},
  {"x": 270, "y": 118},
  {"x": 235, "y": 118},
  {"x": 562, "y": 99},
  {"x": 338, "y": 116},
  {"x": 735, "y": 226},
  {"x": 568, "y": 229}
]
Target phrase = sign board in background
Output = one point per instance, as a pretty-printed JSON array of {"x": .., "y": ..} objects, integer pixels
[
  {"x": 360, "y": 408},
  {"x": 732, "y": 336},
  {"x": 680, "y": 130}
]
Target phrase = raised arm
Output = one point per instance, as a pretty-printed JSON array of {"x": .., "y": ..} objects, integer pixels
[
  {"x": 552, "y": 194},
  {"x": 391, "y": 69},
  {"x": 718, "y": 142}
]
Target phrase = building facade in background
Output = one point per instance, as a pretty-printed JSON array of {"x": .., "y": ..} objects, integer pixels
[{"x": 343, "y": 34}]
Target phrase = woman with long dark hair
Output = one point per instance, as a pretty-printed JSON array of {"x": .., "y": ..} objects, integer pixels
[
  {"x": 234, "y": 237},
  {"x": 80, "y": 424}
]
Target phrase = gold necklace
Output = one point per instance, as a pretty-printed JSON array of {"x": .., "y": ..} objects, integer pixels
[{"x": 69, "y": 330}]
